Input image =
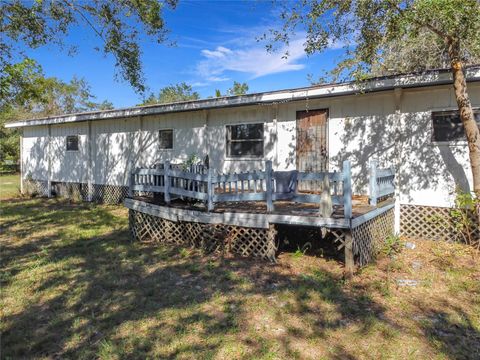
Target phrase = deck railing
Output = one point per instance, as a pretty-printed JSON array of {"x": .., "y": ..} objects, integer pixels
[
  {"x": 268, "y": 186},
  {"x": 382, "y": 183}
]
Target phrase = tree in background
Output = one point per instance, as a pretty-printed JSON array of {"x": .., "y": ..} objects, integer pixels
[
  {"x": 388, "y": 36},
  {"x": 118, "y": 24},
  {"x": 171, "y": 94},
  {"x": 26, "y": 93},
  {"x": 238, "y": 89}
]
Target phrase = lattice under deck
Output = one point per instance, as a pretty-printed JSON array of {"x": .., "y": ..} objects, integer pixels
[
  {"x": 208, "y": 237},
  {"x": 369, "y": 236}
]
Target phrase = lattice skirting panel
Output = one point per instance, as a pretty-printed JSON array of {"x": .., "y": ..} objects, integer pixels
[
  {"x": 369, "y": 236},
  {"x": 433, "y": 223},
  {"x": 73, "y": 191},
  {"x": 35, "y": 187},
  {"x": 208, "y": 237},
  {"x": 107, "y": 194}
]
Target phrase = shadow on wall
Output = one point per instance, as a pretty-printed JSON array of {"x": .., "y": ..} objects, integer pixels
[{"x": 404, "y": 143}]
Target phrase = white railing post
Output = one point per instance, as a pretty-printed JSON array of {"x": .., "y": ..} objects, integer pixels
[
  {"x": 326, "y": 204},
  {"x": 210, "y": 189},
  {"x": 131, "y": 183},
  {"x": 166, "y": 169},
  {"x": 269, "y": 185},
  {"x": 373, "y": 186},
  {"x": 347, "y": 189}
]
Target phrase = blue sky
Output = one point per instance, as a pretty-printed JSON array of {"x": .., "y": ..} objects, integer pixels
[{"x": 215, "y": 45}]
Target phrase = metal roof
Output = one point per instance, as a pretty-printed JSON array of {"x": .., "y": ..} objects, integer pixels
[{"x": 427, "y": 78}]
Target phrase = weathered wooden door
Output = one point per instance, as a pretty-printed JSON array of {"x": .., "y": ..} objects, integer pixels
[{"x": 311, "y": 148}]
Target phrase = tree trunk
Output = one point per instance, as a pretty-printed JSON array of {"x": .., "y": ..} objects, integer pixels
[{"x": 466, "y": 114}]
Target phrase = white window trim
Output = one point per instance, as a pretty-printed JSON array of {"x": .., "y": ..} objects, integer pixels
[
  {"x": 173, "y": 139},
  {"x": 245, "y": 158}
]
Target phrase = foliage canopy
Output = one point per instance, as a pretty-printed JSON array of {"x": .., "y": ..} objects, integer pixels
[
  {"x": 384, "y": 36},
  {"x": 173, "y": 93},
  {"x": 26, "y": 93},
  {"x": 118, "y": 24}
]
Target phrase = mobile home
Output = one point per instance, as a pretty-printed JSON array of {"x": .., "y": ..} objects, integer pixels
[{"x": 409, "y": 122}]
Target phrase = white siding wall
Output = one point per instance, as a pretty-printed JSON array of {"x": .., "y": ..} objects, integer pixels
[
  {"x": 35, "y": 144},
  {"x": 367, "y": 126},
  {"x": 188, "y": 138},
  {"x": 113, "y": 150},
  {"x": 430, "y": 172},
  {"x": 360, "y": 127},
  {"x": 69, "y": 166},
  {"x": 217, "y": 121}
]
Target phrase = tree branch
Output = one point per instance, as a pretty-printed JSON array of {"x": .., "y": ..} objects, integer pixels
[{"x": 429, "y": 26}]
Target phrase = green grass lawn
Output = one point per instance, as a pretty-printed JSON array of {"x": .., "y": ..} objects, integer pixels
[
  {"x": 9, "y": 186},
  {"x": 75, "y": 286}
]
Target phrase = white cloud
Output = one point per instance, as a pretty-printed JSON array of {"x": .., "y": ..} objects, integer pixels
[
  {"x": 218, "y": 78},
  {"x": 219, "y": 53},
  {"x": 251, "y": 58}
]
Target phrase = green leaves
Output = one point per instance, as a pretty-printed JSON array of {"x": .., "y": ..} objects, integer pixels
[
  {"x": 118, "y": 24},
  {"x": 238, "y": 89},
  {"x": 383, "y": 36},
  {"x": 173, "y": 93},
  {"x": 26, "y": 93}
]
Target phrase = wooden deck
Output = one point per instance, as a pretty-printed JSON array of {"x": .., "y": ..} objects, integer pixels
[
  {"x": 257, "y": 200},
  {"x": 254, "y": 213}
]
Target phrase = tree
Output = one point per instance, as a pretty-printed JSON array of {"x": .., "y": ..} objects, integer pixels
[
  {"x": 238, "y": 89},
  {"x": 373, "y": 31},
  {"x": 118, "y": 24},
  {"x": 26, "y": 93},
  {"x": 173, "y": 93}
]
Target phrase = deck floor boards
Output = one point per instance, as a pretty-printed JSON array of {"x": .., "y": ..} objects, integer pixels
[{"x": 360, "y": 207}]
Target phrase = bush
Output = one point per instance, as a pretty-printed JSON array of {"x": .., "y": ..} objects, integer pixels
[
  {"x": 466, "y": 217},
  {"x": 392, "y": 246}
]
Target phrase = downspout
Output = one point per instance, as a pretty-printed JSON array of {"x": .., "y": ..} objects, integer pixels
[{"x": 398, "y": 93}]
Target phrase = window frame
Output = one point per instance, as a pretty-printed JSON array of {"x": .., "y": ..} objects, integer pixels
[
  {"x": 173, "y": 139},
  {"x": 228, "y": 141},
  {"x": 459, "y": 142},
  {"x": 78, "y": 143}
]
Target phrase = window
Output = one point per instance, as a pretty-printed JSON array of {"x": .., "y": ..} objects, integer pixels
[
  {"x": 166, "y": 139},
  {"x": 447, "y": 126},
  {"x": 245, "y": 140},
  {"x": 72, "y": 143}
]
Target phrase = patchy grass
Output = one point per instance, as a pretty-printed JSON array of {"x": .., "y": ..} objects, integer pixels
[
  {"x": 75, "y": 286},
  {"x": 9, "y": 186}
]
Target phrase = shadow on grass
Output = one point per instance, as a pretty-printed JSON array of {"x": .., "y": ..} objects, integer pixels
[
  {"x": 86, "y": 291},
  {"x": 457, "y": 337}
]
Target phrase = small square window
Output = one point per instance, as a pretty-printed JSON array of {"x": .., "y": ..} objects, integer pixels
[
  {"x": 166, "y": 139},
  {"x": 447, "y": 126},
  {"x": 72, "y": 143},
  {"x": 245, "y": 140}
]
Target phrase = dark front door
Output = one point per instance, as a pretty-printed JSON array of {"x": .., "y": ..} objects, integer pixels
[{"x": 311, "y": 149}]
